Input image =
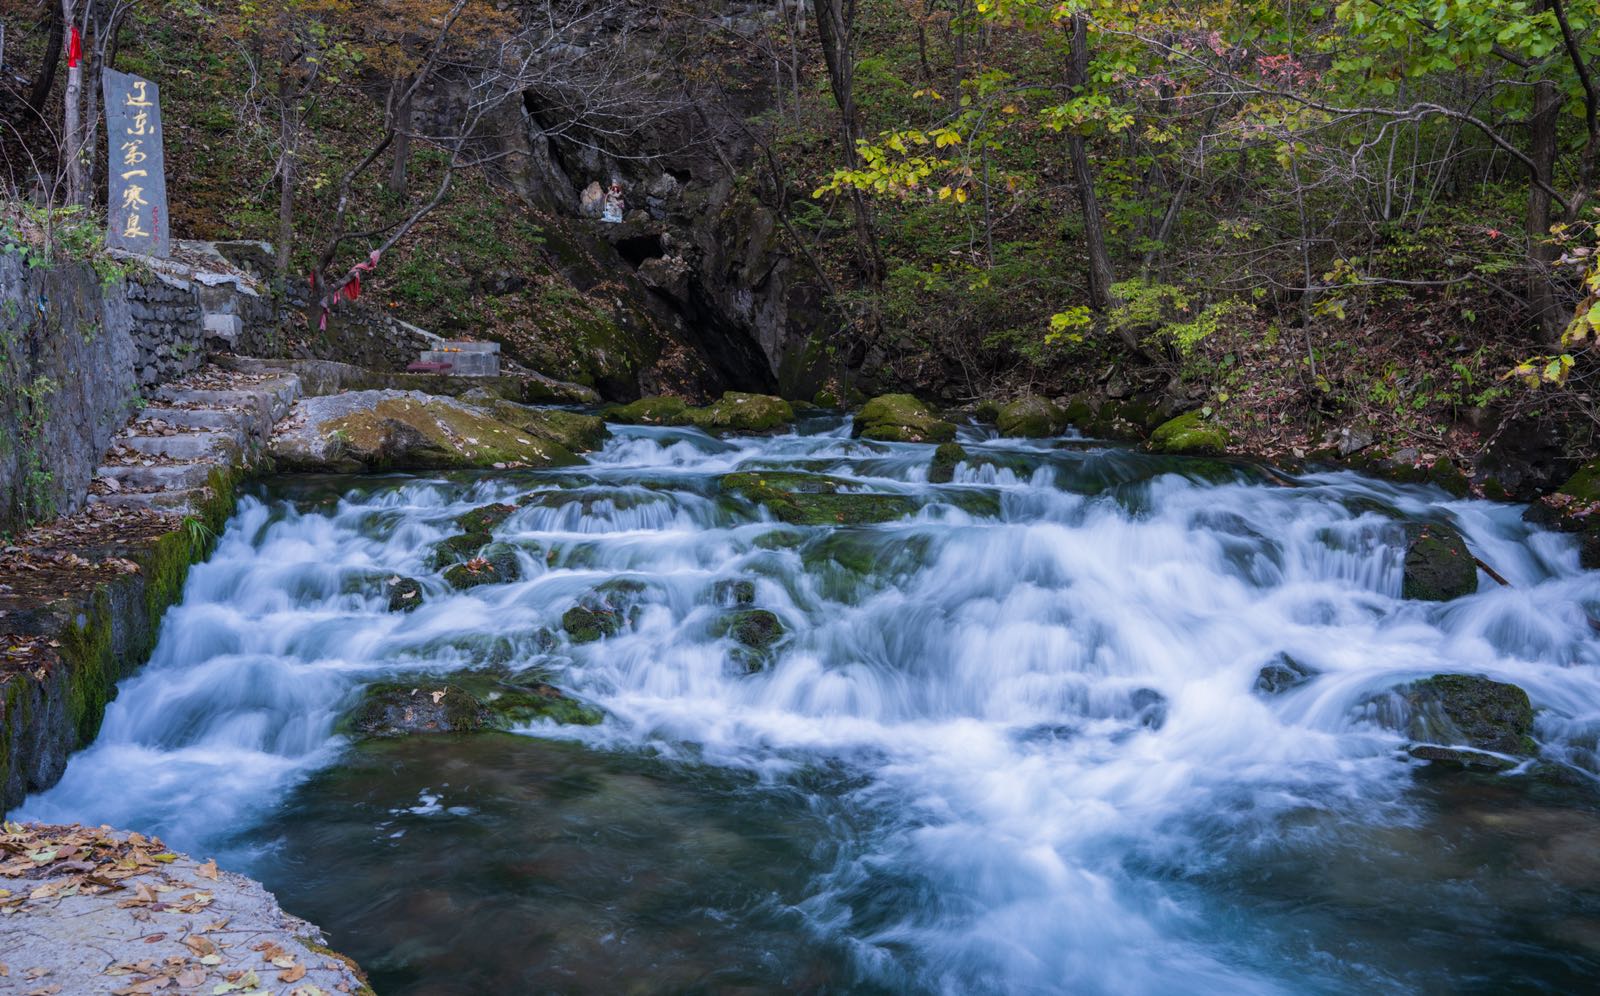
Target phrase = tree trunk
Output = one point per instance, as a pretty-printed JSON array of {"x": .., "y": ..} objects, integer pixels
[
  {"x": 1541, "y": 254},
  {"x": 287, "y": 100},
  {"x": 72, "y": 120},
  {"x": 1101, "y": 275},
  {"x": 402, "y": 137},
  {"x": 52, "y": 60},
  {"x": 835, "y": 29}
]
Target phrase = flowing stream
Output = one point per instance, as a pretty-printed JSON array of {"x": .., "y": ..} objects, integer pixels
[{"x": 1011, "y": 743}]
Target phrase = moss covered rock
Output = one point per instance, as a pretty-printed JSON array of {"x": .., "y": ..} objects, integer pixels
[
  {"x": 1471, "y": 711},
  {"x": 485, "y": 518},
  {"x": 756, "y": 631},
  {"x": 397, "y": 709},
  {"x": 405, "y": 594},
  {"x": 403, "y": 430},
  {"x": 1438, "y": 565},
  {"x": 1281, "y": 674},
  {"x": 1189, "y": 434},
  {"x": 455, "y": 549},
  {"x": 738, "y": 412},
  {"x": 734, "y": 591},
  {"x": 901, "y": 418},
  {"x": 945, "y": 460},
  {"x": 815, "y": 499},
  {"x": 468, "y": 703},
  {"x": 1585, "y": 484},
  {"x": 604, "y": 610},
  {"x": 577, "y": 432},
  {"x": 496, "y": 564},
  {"x": 1032, "y": 418},
  {"x": 654, "y": 410}
]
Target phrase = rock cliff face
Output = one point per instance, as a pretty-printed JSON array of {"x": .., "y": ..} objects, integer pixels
[{"x": 704, "y": 299}]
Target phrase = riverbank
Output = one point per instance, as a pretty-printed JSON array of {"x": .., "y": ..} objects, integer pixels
[
  {"x": 93, "y": 910},
  {"x": 83, "y": 595}
]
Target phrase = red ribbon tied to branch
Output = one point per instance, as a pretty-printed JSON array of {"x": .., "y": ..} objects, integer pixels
[
  {"x": 74, "y": 49},
  {"x": 349, "y": 290}
]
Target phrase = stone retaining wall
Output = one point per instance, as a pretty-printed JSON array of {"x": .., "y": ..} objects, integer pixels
[{"x": 167, "y": 328}]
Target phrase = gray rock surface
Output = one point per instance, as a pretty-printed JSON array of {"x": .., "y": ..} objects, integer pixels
[{"x": 161, "y": 922}]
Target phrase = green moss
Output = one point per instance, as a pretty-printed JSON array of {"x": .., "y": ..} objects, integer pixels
[
  {"x": 455, "y": 549},
  {"x": 816, "y": 500},
  {"x": 441, "y": 437},
  {"x": 1585, "y": 484},
  {"x": 485, "y": 518},
  {"x": 1472, "y": 709},
  {"x": 405, "y": 594},
  {"x": 739, "y": 412},
  {"x": 1438, "y": 566},
  {"x": 496, "y": 564},
  {"x": 572, "y": 430},
  {"x": 655, "y": 410},
  {"x": 1032, "y": 418},
  {"x": 901, "y": 418},
  {"x": 1189, "y": 434},
  {"x": 348, "y": 962},
  {"x": 945, "y": 460}
]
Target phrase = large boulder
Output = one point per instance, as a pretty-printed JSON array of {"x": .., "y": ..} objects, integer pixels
[
  {"x": 738, "y": 412},
  {"x": 1032, "y": 418},
  {"x": 816, "y": 499},
  {"x": 653, "y": 410},
  {"x": 1469, "y": 711},
  {"x": 403, "y": 430},
  {"x": 901, "y": 418},
  {"x": 1438, "y": 565},
  {"x": 1189, "y": 435},
  {"x": 577, "y": 432}
]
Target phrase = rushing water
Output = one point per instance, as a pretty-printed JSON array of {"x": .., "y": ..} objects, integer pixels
[{"x": 1017, "y": 752}]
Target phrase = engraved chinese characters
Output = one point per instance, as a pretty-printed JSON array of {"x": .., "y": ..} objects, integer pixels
[{"x": 137, "y": 207}]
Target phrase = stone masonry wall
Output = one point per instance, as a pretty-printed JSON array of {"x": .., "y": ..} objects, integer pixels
[
  {"x": 67, "y": 383},
  {"x": 168, "y": 330}
]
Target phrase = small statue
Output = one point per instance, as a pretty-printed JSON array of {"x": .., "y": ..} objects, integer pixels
[{"x": 614, "y": 203}]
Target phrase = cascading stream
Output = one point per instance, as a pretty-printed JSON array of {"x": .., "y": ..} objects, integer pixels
[{"x": 1009, "y": 743}]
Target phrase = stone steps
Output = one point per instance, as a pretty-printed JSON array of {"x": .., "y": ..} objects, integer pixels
[{"x": 230, "y": 428}]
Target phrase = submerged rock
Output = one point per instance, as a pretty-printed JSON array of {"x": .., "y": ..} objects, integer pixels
[
  {"x": 496, "y": 564},
  {"x": 945, "y": 460},
  {"x": 1438, "y": 565},
  {"x": 901, "y": 418},
  {"x": 756, "y": 631},
  {"x": 484, "y": 519},
  {"x": 603, "y": 611},
  {"x": 405, "y": 594},
  {"x": 403, "y": 430},
  {"x": 1031, "y": 417},
  {"x": 1189, "y": 434},
  {"x": 455, "y": 549},
  {"x": 755, "y": 628},
  {"x": 468, "y": 703},
  {"x": 1466, "y": 710},
  {"x": 816, "y": 499},
  {"x": 734, "y": 591},
  {"x": 1281, "y": 674},
  {"x": 392, "y": 710}
]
